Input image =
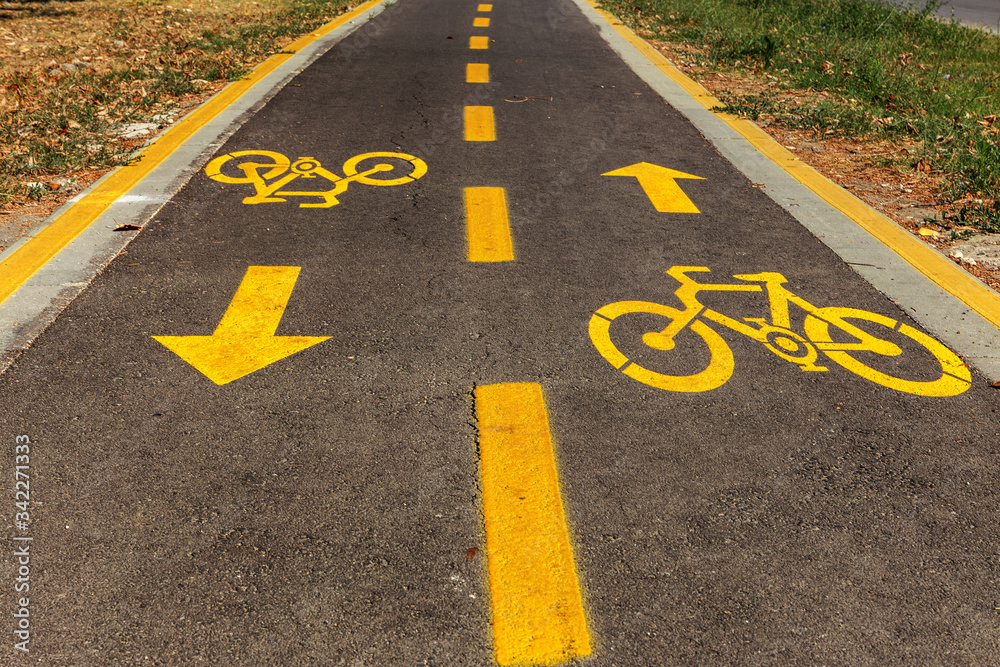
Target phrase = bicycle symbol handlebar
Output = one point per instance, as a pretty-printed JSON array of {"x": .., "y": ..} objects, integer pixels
[
  {"x": 851, "y": 350},
  {"x": 258, "y": 174}
]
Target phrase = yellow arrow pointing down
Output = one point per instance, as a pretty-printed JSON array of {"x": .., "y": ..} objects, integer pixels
[
  {"x": 660, "y": 186},
  {"x": 244, "y": 341}
]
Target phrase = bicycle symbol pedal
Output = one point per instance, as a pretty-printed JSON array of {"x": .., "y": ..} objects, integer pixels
[
  {"x": 272, "y": 179},
  {"x": 828, "y": 331}
]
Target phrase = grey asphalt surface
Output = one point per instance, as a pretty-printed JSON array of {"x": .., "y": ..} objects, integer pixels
[
  {"x": 322, "y": 510},
  {"x": 979, "y": 12}
]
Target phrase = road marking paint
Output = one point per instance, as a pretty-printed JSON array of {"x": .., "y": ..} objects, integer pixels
[
  {"x": 479, "y": 42},
  {"x": 481, "y": 22},
  {"x": 925, "y": 259},
  {"x": 538, "y": 615},
  {"x": 660, "y": 185},
  {"x": 309, "y": 168},
  {"x": 484, "y": 8},
  {"x": 244, "y": 341},
  {"x": 488, "y": 226},
  {"x": 854, "y": 347},
  {"x": 479, "y": 125},
  {"x": 477, "y": 73},
  {"x": 42, "y": 247}
]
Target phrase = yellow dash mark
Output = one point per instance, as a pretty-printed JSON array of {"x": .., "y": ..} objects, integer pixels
[
  {"x": 484, "y": 8},
  {"x": 479, "y": 124},
  {"x": 477, "y": 73},
  {"x": 479, "y": 42},
  {"x": 538, "y": 613},
  {"x": 488, "y": 226},
  {"x": 480, "y": 22}
]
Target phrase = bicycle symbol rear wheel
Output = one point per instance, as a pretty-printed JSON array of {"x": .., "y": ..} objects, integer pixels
[
  {"x": 411, "y": 172},
  {"x": 720, "y": 366},
  {"x": 955, "y": 377}
]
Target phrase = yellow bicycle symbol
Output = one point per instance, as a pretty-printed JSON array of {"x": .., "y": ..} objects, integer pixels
[
  {"x": 258, "y": 173},
  {"x": 850, "y": 349}
]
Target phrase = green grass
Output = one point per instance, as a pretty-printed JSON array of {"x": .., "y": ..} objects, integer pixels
[{"x": 892, "y": 73}]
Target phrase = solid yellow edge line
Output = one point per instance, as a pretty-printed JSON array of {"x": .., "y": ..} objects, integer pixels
[
  {"x": 925, "y": 259},
  {"x": 488, "y": 226},
  {"x": 37, "y": 251},
  {"x": 538, "y": 615}
]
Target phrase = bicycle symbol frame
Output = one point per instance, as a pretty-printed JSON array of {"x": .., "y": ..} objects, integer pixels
[
  {"x": 775, "y": 335},
  {"x": 259, "y": 173}
]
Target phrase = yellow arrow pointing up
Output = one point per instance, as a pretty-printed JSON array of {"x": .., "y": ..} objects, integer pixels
[
  {"x": 244, "y": 341},
  {"x": 661, "y": 186}
]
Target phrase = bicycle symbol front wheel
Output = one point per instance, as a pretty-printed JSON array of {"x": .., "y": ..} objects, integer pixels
[
  {"x": 955, "y": 377},
  {"x": 404, "y": 173},
  {"x": 719, "y": 369}
]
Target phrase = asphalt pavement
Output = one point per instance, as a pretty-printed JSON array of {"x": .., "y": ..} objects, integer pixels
[{"x": 481, "y": 411}]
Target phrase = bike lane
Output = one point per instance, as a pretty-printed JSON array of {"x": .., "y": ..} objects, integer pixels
[{"x": 338, "y": 505}]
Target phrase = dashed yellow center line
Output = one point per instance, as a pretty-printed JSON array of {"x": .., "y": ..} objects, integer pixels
[
  {"x": 477, "y": 73},
  {"x": 484, "y": 8},
  {"x": 481, "y": 22},
  {"x": 479, "y": 125},
  {"x": 479, "y": 42},
  {"x": 488, "y": 225},
  {"x": 538, "y": 615}
]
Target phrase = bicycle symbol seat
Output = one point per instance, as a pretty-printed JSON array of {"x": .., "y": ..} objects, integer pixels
[
  {"x": 827, "y": 330},
  {"x": 258, "y": 173}
]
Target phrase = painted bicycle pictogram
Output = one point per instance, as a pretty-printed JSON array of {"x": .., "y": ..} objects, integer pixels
[
  {"x": 828, "y": 330},
  {"x": 272, "y": 179}
]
